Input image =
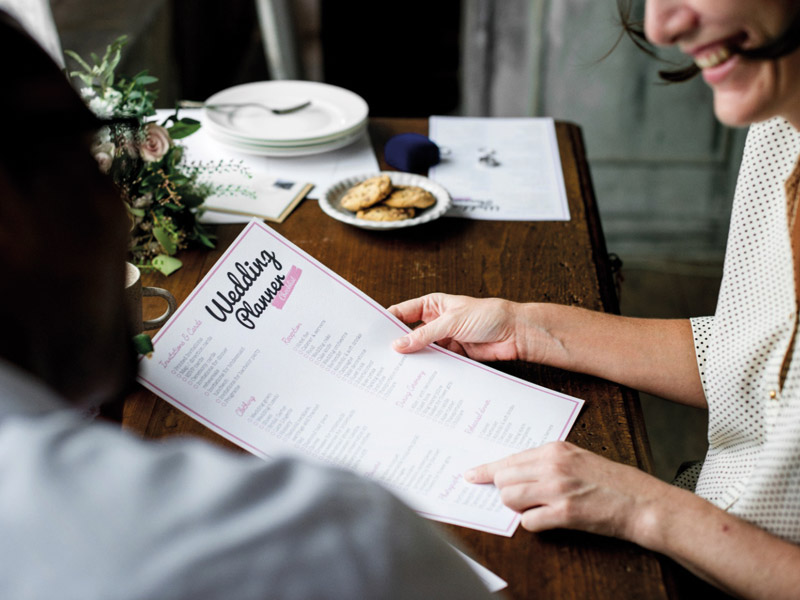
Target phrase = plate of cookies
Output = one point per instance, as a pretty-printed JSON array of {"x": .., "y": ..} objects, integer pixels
[{"x": 386, "y": 200}]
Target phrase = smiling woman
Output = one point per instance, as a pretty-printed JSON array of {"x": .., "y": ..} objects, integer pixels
[
  {"x": 37, "y": 19},
  {"x": 735, "y": 519},
  {"x": 777, "y": 47},
  {"x": 766, "y": 43}
]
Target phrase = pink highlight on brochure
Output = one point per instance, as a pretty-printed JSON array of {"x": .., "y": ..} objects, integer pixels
[{"x": 288, "y": 285}]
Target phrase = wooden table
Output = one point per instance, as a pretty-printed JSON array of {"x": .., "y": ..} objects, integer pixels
[{"x": 564, "y": 262}]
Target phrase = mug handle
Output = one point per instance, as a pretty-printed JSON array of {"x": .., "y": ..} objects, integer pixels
[{"x": 172, "y": 304}]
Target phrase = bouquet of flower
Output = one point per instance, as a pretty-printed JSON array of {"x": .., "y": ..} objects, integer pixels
[{"x": 161, "y": 191}]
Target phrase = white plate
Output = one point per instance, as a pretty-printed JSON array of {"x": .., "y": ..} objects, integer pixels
[
  {"x": 330, "y": 201},
  {"x": 333, "y": 110},
  {"x": 289, "y": 151},
  {"x": 232, "y": 140}
]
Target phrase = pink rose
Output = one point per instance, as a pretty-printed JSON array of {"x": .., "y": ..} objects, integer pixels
[
  {"x": 156, "y": 143},
  {"x": 104, "y": 155}
]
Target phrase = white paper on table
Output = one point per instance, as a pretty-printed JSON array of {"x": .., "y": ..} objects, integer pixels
[
  {"x": 321, "y": 170},
  {"x": 284, "y": 356},
  {"x": 526, "y": 185},
  {"x": 491, "y": 580}
]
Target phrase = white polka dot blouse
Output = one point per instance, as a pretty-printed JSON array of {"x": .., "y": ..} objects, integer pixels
[{"x": 750, "y": 374}]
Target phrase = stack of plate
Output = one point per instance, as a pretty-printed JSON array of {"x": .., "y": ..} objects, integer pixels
[{"x": 334, "y": 118}]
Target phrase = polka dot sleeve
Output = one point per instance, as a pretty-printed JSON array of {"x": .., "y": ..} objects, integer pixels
[
  {"x": 701, "y": 332},
  {"x": 688, "y": 475}
]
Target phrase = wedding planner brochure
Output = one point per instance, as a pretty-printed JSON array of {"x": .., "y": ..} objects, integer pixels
[{"x": 280, "y": 355}]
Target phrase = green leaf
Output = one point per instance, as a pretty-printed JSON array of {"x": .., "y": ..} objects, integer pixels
[
  {"x": 165, "y": 240},
  {"x": 136, "y": 212},
  {"x": 204, "y": 239},
  {"x": 192, "y": 200},
  {"x": 144, "y": 79},
  {"x": 74, "y": 56},
  {"x": 183, "y": 128},
  {"x": 142, "y": 343},
  {"x": 167, "y": 264}
]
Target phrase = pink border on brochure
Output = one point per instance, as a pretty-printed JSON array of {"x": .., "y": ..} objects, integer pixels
[{"x": 312, "y": 261}]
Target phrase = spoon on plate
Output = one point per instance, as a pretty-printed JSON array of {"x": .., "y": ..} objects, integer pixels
[{"x": 231, "y": 107}]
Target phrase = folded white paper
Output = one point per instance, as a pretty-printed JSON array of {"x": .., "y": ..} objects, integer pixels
[{"x": 500, "y": 169}]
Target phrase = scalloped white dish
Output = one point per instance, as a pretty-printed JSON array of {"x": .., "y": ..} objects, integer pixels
[{"x": 330, "y": 201}]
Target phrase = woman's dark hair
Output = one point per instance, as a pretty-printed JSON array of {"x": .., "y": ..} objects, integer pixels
[{"x": 784, "y": 44}]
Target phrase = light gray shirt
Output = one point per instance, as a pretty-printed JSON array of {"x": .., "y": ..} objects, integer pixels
[
  {"x": 35, "y": 16},
  {"x": 90, "y": 512}
]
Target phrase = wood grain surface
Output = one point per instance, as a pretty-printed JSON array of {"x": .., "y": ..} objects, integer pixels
[{"x": 563, "y": 262}]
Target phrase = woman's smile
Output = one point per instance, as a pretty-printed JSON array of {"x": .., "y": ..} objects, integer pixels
[{"x": 714, "y": 33}]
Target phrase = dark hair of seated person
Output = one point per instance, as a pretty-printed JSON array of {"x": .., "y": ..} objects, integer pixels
[
  {"x": 784, "y": 44},
  {"x": 63, "y": 233}
]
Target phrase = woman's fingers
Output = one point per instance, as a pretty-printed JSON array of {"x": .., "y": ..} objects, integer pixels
[
  {"x": 414, "y": 311},
  {"x": 561, "y": 485},
  {"x": 409, "y": 311},
  {"x": 482, "y": 473},
  {"x": 522, "y": 496},
  {"x": 423, "y": 336},
  {"x": 486, "y": 473},
  {"x": 479, "y": 328},
  {"x": 436, "y": 327},
  {"x": 542, "y": 518}
]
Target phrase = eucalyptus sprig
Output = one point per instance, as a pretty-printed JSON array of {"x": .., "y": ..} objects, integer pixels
[
  {"x": 109, "y": 95},
  {"x": 163, "y": 195},
  {"x": 100, "y": 74}
]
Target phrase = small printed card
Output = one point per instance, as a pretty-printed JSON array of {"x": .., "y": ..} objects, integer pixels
[
  {"x": 254, "y": 189},
  {"x": 272, "y": 199}
]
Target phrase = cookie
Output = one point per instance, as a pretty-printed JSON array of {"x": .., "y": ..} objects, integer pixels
[
  {"x": 410, "y": 197},
  {"x": 385, "y": 213},
  {"x": 367, "y": 193}
]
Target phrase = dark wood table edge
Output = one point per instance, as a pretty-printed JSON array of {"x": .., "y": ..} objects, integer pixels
[
  {"x": 608, "y": 291},
  {"x": 604, "y": 276},
  {"x": 678, "y": 581},
  {"x": 674, "y": 575}
]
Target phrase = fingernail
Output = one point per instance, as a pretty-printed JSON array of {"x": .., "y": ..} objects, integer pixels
[
  {"x": 470, "y": 475},
  {"x": 401, "y": 343}
]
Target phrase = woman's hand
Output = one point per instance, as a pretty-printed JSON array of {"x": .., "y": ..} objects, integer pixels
[
  {"x": 559, "y": 485},
  {"x": 616, "y": 348},
  {"x": 483, "y": 329}
]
